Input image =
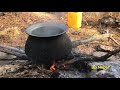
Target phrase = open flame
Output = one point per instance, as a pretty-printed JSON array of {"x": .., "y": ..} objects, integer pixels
[{"x": 52, "y": 68}]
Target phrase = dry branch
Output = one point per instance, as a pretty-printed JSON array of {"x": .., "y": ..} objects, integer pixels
[
  {"x": 21, "y": 53},
  {"x": 89, "y": 58},
  {"x": 13, "y": 51},
  {"x": 105, "y": 57},
  {"x": 12, "y": 48},
  {"x": 90, "y": 39},
  {"x": 104, "y": 48}
]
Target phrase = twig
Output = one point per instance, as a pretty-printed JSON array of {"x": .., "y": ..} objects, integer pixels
[{"x": 114, "y": 40}]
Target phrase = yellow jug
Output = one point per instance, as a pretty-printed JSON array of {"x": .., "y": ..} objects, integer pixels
[{"x": 75, "y": 20}]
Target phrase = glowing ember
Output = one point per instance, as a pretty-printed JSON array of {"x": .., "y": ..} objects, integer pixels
[{"x": 52, "y": 68}]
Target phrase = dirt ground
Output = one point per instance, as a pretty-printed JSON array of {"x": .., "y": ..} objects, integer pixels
[{"x": 12, "y": 30}]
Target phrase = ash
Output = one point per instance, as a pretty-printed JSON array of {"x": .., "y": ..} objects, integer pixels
[
  {"x": 23, "y": 69},
  {"x": 72, "y": 74}
]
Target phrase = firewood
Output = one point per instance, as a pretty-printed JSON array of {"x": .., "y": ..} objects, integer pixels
[
  {"x": 104, "y": 48},
  {"x": 13, "y": 51},
  {"x": 90, "y": 39},
  {"x": 105, "y": 57},
  {"x": 21, "y": 53},
  {"x": 89, "y": 58}
]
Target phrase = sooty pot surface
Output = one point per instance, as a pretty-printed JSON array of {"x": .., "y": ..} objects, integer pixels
[{"x": 47, "y": 42}]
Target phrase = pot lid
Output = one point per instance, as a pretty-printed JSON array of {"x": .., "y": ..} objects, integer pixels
[{"x": 46, "y": 29}]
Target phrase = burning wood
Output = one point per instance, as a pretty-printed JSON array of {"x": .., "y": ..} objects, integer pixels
[
  {"x": 53, "y": 67},
  {"x": 66, "y": 64}
]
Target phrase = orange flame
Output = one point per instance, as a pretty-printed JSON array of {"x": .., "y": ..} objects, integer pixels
[{"x": 52, "y": 68}]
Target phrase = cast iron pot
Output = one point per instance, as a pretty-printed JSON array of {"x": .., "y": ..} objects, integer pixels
[{"x": 47, "y": 42}]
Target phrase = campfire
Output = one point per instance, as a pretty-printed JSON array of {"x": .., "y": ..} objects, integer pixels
[
  {"x": 79, "y": 61},
  {"x": 74, "y": 65},
  {"x": 53, "y": 67}
]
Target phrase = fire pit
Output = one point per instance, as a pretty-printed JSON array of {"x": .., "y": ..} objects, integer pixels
[{"x": 47, "y": 43}]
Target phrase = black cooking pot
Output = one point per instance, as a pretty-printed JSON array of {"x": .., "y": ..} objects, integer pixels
[{"x": 47, "y": 42}]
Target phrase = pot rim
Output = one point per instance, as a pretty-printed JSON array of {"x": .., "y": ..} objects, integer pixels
[{"x": 59, "y": 25}]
